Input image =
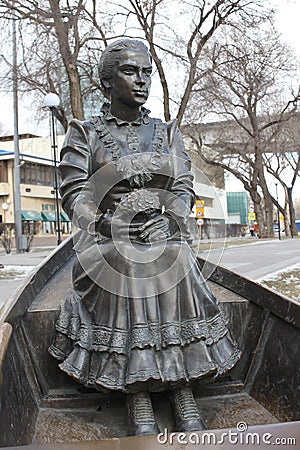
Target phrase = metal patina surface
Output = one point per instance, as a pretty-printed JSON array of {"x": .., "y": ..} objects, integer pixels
[
  {"x": 45, "y": 405},
  {"x": 141, "y": 336}
]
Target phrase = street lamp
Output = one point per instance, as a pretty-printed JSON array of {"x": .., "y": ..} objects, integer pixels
[
  {"x": 278, "y": 217},
  {"x": 52, "y": 101},
  {"x": 5, "y": 208}
]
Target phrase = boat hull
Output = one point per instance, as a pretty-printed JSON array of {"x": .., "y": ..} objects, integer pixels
[{"x": 40, "y": 404}]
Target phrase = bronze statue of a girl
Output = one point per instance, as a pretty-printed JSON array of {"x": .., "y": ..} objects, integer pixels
[{"x": 141, "y": 318}]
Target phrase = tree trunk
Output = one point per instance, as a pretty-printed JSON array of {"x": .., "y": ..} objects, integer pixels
[
  {"x": 69, "y": 58},
  {"x": 256, "y": 198},
  {"x": 269, "y": 216},
  {"x": 287, "y": 228},
  {"x": 260, "y": 220},
  {"x": 75, "y": 93},
  {"x": 293, "y": 226},
  {"x": 268, "y": 203}
]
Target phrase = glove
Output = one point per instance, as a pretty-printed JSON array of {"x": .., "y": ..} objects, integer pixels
[
  {"x": 158, "y": 229},
  {"x": 112, "y": 225},
  {"x": 104, "y": 224}
]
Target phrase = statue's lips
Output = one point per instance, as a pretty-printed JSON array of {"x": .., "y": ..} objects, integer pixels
[{"x": 141, "y": 93}]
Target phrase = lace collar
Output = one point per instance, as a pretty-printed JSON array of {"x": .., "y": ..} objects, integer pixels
[
  {"x": 143, "y": 119},
  {"x": 132, "y": 166}
]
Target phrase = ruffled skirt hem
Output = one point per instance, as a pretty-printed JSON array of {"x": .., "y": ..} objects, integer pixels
[{"x": 148, "y": 369}]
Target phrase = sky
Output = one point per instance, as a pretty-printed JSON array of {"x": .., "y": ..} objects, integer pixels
[{"x": 286, "y": 19}]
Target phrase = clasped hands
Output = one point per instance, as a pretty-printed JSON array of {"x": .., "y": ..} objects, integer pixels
[{"x": 156, "y": 229}]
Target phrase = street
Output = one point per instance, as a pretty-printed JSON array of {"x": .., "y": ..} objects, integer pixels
[
  {"x": 30, "y": 259},
  {"x": 259, "y": 258}
]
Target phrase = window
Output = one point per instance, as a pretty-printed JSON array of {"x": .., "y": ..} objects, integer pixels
[
  {"x": 22, "y": 174},
  {"x": 3, "y": 171},
  {"x": 37, "y": 174}
]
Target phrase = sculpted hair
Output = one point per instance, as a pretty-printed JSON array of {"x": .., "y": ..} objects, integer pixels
[{"x": 111, "y": 55}]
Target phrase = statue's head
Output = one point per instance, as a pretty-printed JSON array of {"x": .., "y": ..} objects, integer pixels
[{"x": 117, "y": 52}]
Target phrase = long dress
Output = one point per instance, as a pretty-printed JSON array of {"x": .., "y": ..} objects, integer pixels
[{"x": 140, "y": 317}]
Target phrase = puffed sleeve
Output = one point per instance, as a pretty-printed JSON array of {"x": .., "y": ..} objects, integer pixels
[
  {"x": 75, "y": 189},
  {"x": 181, "y": 196}
]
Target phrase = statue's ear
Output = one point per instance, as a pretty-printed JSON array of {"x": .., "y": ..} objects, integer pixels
[
  {"x": 106, "y": 84},
  {"x": 105, "y": 88}
]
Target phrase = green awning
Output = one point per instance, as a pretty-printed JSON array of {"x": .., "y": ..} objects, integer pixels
[
  {"x": 49, "y": 216},
  {"x": 30, "y": 216},
  {"x": 64, "y": 217}
]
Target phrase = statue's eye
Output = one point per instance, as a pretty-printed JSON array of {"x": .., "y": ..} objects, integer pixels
[
  {"x": 128, "y": 70},
  {"x": 147, "y": 72}
]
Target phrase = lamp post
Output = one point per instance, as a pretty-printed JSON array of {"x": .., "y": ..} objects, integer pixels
[
  {"x": 52, "y": 101},
  {"x": 278, "y": 216},
  {"x": 5, "y": 208},
  {"x": 16, "y": 179}
]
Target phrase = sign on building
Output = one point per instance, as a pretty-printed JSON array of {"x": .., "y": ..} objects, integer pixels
[
  {"x": 251, "y": 216},
  {"x": 200, "y": 209}
]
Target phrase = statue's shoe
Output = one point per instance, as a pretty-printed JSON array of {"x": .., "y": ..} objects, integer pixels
[
  {"x": 190, "y": 425},
  {"x": 142, "y": 429},
  {"x": 186, "y": 414},
  {"x": 141, "y": 420}
]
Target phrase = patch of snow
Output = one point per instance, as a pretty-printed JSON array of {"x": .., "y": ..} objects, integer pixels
[
  {"x": 276, "y": 275},
  {"x": 10, "y": 272}
]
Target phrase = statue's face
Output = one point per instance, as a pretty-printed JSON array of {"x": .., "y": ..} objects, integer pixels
[{"x": 131, "y": 81}]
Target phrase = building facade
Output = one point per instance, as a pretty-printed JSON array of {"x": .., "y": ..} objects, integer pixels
[
  {"x": 209, "y": 186},
  {"x": 37, "y": 189},
  {"x": 237, "y": 205}
]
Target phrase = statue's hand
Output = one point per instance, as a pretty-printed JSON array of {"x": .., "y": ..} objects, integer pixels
[
  {"x": 158, "y": 229},
  {"x": 111, "y": 225},
  {"x": 104, "y": 224}
]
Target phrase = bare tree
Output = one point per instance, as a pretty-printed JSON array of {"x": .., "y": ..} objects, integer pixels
[
  {"x": 65, "y": 37},
  {"x": 182, "y": 41},
  {"x": 283, "y": 163},
  {"x": 55, "y": 55},
  {"x": 246, "y": 87}
]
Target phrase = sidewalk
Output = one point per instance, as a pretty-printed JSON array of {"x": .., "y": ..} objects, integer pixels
[
  {"x": 46, "y": 241},
  {"x": 41, "y": 247},
  {"x": 205, "y": 245}
]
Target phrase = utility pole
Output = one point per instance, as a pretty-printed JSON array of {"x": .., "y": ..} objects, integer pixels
[{"x": 17, "y": 194}]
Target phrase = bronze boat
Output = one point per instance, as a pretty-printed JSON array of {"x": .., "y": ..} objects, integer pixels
[{"x": 40, "y": 405}]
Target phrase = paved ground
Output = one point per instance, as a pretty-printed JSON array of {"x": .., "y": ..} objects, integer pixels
[
  {"x": 259, "y": 258},
  {"x": 41, "y": 248},
  {"x": 8, "y": 286},
  {"x": 254, "y": 259}
]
